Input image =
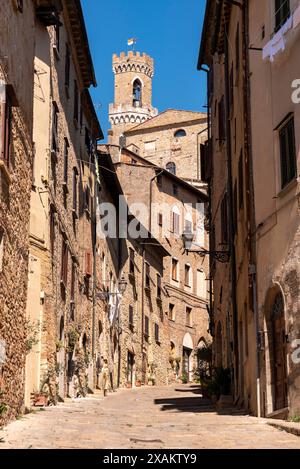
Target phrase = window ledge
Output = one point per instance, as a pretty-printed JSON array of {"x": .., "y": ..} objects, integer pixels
[
  {"x": 291, "y": 185},
  {"x": 4, "y": 170}
]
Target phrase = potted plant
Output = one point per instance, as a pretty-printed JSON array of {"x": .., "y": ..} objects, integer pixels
[{"x": 184, "y": 378}]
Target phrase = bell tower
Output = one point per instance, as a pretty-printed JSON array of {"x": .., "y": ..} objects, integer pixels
[{"x": 133, "y": 93}]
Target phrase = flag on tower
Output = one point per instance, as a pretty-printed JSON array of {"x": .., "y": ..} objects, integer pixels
[{"x": 131, "y": 41}]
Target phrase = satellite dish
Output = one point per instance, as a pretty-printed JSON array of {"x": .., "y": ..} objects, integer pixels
[{"x": 122, "y": 141}]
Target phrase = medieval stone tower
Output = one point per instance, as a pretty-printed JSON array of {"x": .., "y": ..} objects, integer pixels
[{"x": 133, "y": 93}]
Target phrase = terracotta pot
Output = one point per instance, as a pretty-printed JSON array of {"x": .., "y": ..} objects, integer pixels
[
  {"x": 138, "y": 384},
  {"x": 129, "y": 385},
  {"x": 40, "y": 401}
]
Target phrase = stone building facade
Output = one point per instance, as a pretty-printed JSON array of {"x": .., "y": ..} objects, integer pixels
[
  {"x": 134, "y": 323},
  {"x": 165, "y": 205},
  {"x": 61, "y": 301},
  {"x": 16, "y": 159},
  {"x": 260, "y": 141},
  {"x": 172, "y": 140}
]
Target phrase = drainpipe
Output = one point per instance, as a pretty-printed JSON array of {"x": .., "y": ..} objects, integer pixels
[{"x": 250, "y": 193}]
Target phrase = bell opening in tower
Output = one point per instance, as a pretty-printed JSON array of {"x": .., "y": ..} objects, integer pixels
[{"x": 137, "y": 93}]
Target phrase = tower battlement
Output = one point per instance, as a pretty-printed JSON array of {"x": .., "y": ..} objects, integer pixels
[{"x": 133, "y": 62}]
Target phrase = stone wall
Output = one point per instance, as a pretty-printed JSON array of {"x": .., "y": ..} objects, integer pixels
[{"x": 16, "y": 33}]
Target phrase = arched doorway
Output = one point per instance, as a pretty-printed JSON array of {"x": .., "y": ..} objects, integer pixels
[
  {"x": 187, "y": 357},
  {"x": 279, "y": 350}
]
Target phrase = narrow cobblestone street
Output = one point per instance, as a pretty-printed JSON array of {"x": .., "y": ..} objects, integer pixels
[{"x": 173, "y": 417}]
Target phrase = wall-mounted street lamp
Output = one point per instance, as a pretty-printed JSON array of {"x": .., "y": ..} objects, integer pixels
[
  {"x": 188, "y": 241},
  {"x": 122, "y": 285}
]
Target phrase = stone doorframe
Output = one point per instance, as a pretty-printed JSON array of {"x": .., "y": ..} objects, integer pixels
[{"x": 268, "y": 342}]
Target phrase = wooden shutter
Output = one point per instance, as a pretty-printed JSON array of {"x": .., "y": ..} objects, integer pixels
[{"x": 88, "y": 264}]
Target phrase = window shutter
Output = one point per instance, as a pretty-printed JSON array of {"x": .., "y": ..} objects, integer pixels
[{"x": 88, "y": 264}]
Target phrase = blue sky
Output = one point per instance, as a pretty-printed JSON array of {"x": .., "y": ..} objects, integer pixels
[{"x": 168, "y": 30}]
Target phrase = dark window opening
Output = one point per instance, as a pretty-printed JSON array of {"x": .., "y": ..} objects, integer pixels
[
  {"x": 180, "y": 133},
  {"x": 288, "y": 153},
  {"x": 171, "y": 167},
  {"x": 137, "y": 93},
  {"x": 282, "y": 13},
  {"x": 131, "y": 262}
]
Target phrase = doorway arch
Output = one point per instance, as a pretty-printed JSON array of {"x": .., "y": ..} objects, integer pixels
[{"x": 276, "y": 351}]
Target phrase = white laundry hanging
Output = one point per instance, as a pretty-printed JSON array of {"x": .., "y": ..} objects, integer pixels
[{"x": 277, "y": 43}]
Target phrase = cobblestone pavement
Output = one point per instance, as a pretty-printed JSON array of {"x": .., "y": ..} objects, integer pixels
[{"x": 149, "y": 417}]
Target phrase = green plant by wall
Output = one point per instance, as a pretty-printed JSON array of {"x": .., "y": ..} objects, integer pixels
[
  {"x": 184, "y": 378},
  {"x": 294, "y": 419},
  {"x": 32, "y": 334}
]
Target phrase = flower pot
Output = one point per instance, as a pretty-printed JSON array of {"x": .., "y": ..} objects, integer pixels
[
  {"x": 138, "y": 384},
  {"x": 129, "y": 385},
  {"x": 40, "y": 400}
]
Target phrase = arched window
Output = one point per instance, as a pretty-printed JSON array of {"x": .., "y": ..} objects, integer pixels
[
  {"x": 171, "y": 167},
  {"x": 180, "y": 133},
  {"x": 137, "y": 93}
]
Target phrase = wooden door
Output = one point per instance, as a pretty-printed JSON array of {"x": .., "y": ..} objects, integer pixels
[{"x": 280, "y": 354}]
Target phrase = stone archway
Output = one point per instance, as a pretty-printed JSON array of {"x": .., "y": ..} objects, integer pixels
[
  {"x": 276, "y": 351},
  {"x": 187, "y": 358}
]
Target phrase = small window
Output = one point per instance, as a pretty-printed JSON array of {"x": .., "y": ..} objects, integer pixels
[
  {"x": 131, "y": 261},
  {"x": 156, "y": 333},
  {"x": 171, "y": 167},
  {"x": 54, "y": 140},
  {"x": 52, "y": 229},
  {"x": 158, "y": 287},
  {"x": 160, "y": 219},
  {"x": 187, "y": 275},
  {"x": 282, "y": 13},
  {"x": 67, "y": 66},
  {"x": 175, "y": 223},
  {"x": 74, "y": 188},
  {"x": 180, "y": 133},
  {"x": 73, "y": 281},
  {"x": 76, "y": 102},
  {"x": 150, "y": 147},
  {"x": 175, "y": 270},
  {"x": 171, "y": 312},
  {"x": 189, "y": 321},
  {"x": 288, "y": 153},
  {"x": 64, "y": 262},
  {"x": 146, "y": 326},
  {"x": 147, "y": 276},
  {"x": 66, "y": 158},
  {"x": 130, "y": 319}
]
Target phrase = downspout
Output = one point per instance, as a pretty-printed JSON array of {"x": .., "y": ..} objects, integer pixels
[
  {"x": 231, "y": 217},
  {"x": 250, "y": 194}
]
